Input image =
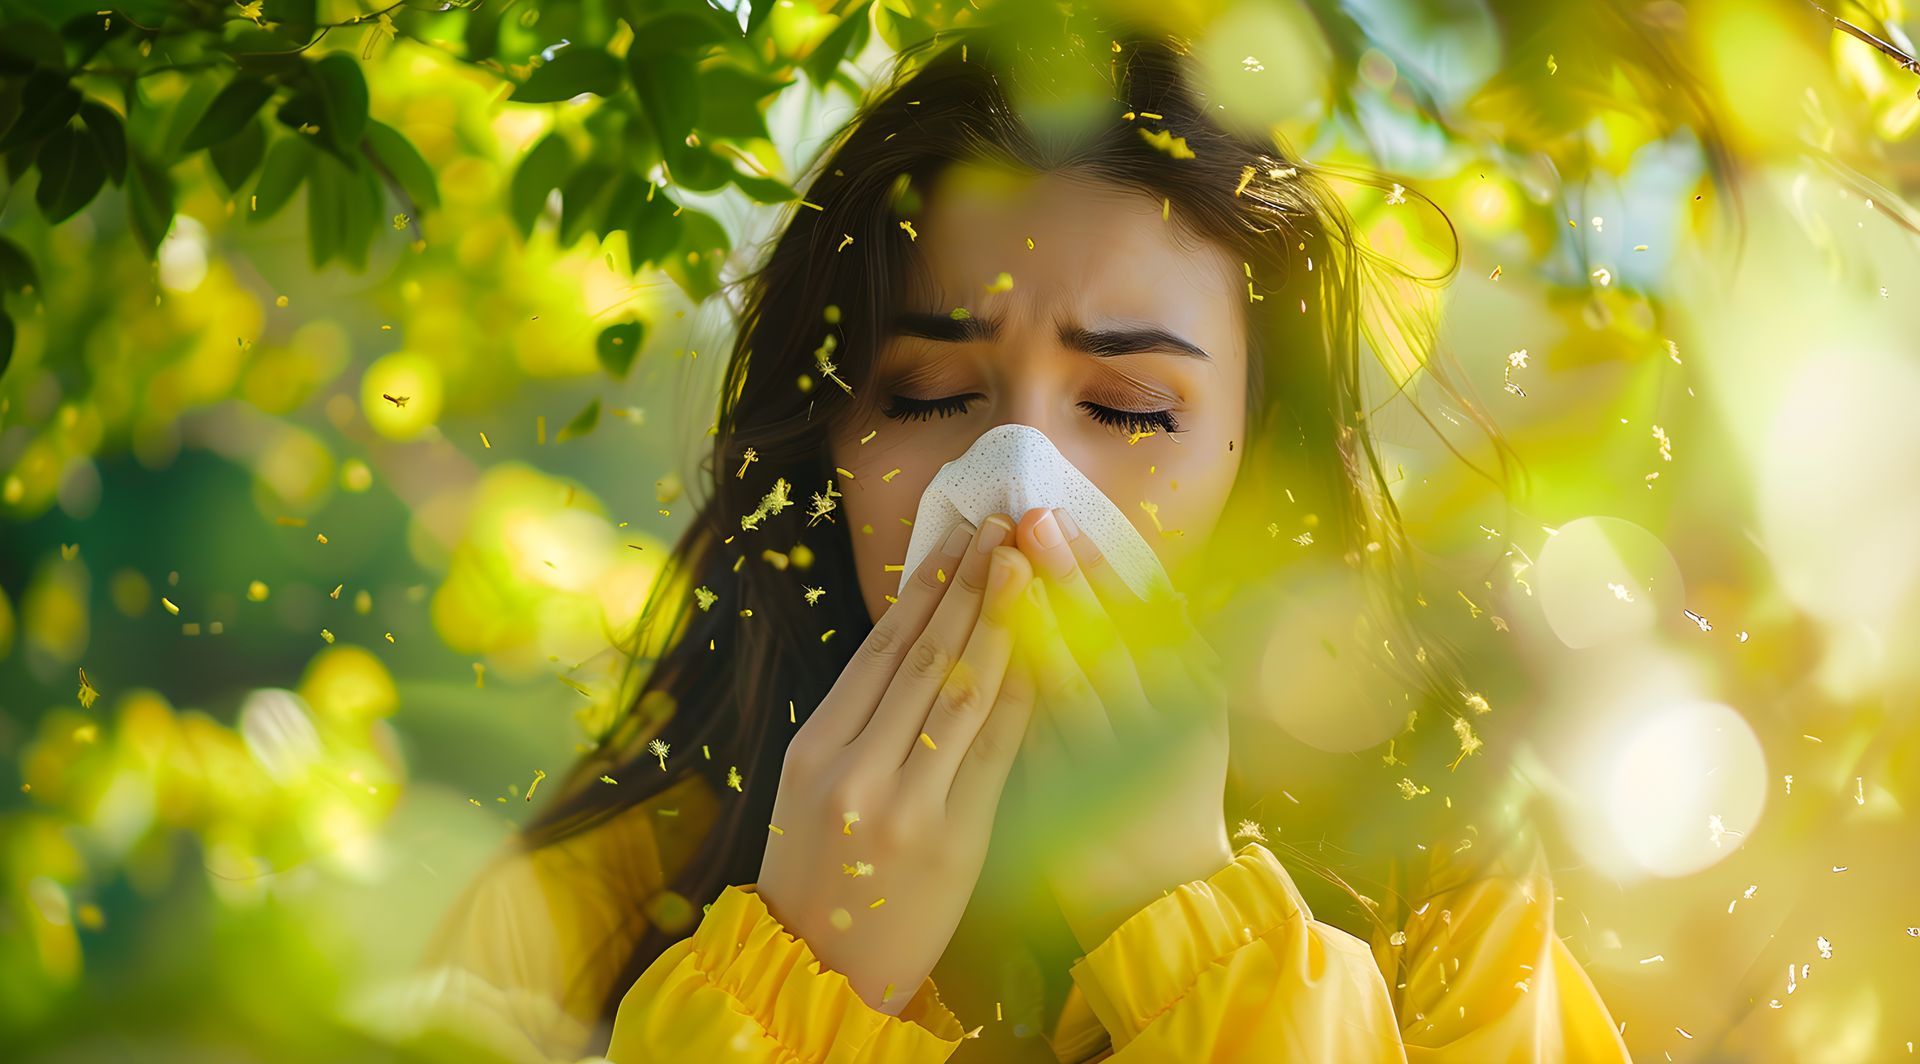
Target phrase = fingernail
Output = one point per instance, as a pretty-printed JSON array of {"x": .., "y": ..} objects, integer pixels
[
  {"x": 1047, "y": 531},
  {"x": 998, "y": 575},
  {"x": 1066, "y": 523},
  {"x": 993, "y": 533},
  {"x": 996, "y": 580},
  {"x": 957, "y": 539}
]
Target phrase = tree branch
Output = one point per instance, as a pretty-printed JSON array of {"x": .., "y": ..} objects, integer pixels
[{"x": 1908, "y": 62}]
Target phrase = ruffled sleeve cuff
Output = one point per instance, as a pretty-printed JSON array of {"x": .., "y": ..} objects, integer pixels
[
  {"x": 812, "y": 1012},
  {"x": 1152, "y": 959}
]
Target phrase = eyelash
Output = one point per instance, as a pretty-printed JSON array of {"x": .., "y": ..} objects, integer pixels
[
  {"x": 907, "y": 409},
  {"x": 1132, "y": 420}
]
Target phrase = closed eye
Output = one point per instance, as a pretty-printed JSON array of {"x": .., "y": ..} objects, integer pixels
[
  {"x": 1131, "y": 421},
  {"x": 907, "y": 408}
]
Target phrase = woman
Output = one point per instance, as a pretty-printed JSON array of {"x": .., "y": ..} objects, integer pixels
[{"x": 887, "y": 827}]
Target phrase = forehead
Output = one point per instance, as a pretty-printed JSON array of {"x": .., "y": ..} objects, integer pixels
[{"x": 1100, "y": 252}]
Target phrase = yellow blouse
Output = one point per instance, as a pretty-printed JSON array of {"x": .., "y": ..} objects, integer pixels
[{"x": 1230, "y": 968}]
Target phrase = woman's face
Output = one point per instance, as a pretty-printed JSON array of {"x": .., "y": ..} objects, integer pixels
[{"x": 1115, "y": 325}]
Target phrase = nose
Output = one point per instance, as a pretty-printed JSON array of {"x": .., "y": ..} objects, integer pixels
[
  {"x": 1026, "y": 401},
  {"x": 1031, "y": 385},
  {"x": 1035, "y": 387},
  {"x": 1029, "y": 400}
]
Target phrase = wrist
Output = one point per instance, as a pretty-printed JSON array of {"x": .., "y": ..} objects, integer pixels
[
  {"x": 881, "y": 980},
  {"x": 1095, "y": 905},
  {"x": 869, "y": 981}
]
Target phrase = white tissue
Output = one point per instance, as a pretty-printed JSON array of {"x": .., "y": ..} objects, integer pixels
[{"x": 1011, "y": 469}]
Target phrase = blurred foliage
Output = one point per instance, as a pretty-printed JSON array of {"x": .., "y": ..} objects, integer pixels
[{"x": 350, "y": 375}]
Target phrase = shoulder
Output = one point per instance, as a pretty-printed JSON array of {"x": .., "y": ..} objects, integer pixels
[
  {"x": 1491, "y": 898},
  {"x": 1513, "y": 860},
  {"x": 1480, "y": 968},
  {"x": 557, "y": 922}
]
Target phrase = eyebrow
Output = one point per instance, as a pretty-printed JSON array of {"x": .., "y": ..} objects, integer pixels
[{"x": 1100, "y": 343}]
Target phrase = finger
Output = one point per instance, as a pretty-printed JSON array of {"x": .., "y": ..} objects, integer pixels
[
  {"x": 1178, "y": 668},
  {"x": 972, "y": 685},
  {"x": 984, "y": 768},
  {"x": 1089, "y": 630},
  {"x": 1162, "y": 618},
  {"x": 1036, "y": 760},
  {"x": 1105, "y": 578},
  {"x": 844, "y": 713},
  {"x": 1068, "y": 699},
  {"x": 923, "y": 669},
  {"x": 1184, "y": 693},
  {"x": 1040, "y": 748}
]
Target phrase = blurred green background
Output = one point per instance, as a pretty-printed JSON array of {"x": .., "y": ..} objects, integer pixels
[{"x": 280, "y": 655}]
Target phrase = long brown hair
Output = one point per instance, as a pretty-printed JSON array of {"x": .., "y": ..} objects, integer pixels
[{"x": 711, "y": 677}]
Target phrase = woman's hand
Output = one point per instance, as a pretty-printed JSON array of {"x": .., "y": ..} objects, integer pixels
[
  {"x": 1126, "y": 758},
  {"x": 888, "y": 791}
]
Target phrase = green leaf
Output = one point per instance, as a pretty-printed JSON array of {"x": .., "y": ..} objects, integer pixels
[
  {"x": 335, "y": 100},
  {"x": 288, "y": 162},
  {"x": 582, "y": 423},
  {"x": 366, "y": 213},
  {"x": 161, "y": 137},
  {"x": 19, "y": 161},
  {"x": 847, "y": 83},
  {"x": 897, "y": 28},
  {"x": 618, "y": 346},
  {"x": 30, "y": 43},
  {"x": 580, "y": 199},
  {"x": 261, "y": 52},
  {"x": 345, "y": 205},
  {"x": 764, "y": 189},
  {"x": 542, "y": 171},
  {"x": 698, "y": 169},
  {"x": 329, "y": 202},
  {"x": 295, "y": 16},
  {"x": 236, "y": 158},
  {"x": 627, "y": 188},
  {"x": 680, "y": 31},
  {"x": 6, "y": 343},
  {"x": 89, "y": 33},
  {"x": 16, "y": 269},
  {"x": 109, "y": 136},
  {"x": 729, "y": 101},
  {"x": 757, "y": 15},
  {"x": 665, "y": 84},
  {"x": 228, "y": 113},
  {"x": 846, "y": 39},
  {"x": 573, "y": 71},
  {"x": 71, "y": 174},
  {"x": 705, "y": 239},
  {"x": 46, "y": 103},
  {"x": 405, "y": 163},
  {"x": 482, "y": 36},
  {"x": 345, "y": 88},
  {"x": 150, "y": 202},
  {"x": 653, "y": 229},
  {"x": 633, "y": 137}
]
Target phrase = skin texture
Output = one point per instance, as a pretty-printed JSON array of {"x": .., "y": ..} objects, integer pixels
[
  {"x": 861, "y": 786},
  {"x": 1102, "y": 257},
  {"x": 1127, "y": 691},
  {"x": 1020, "y": 645}
]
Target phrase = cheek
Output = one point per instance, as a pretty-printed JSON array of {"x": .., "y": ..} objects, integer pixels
[
  {"x": 1186, "y": 485},
  {"x": 872, "y": 501},
  {"x": 1204, "y": 481}
]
